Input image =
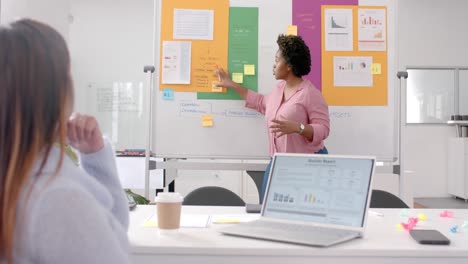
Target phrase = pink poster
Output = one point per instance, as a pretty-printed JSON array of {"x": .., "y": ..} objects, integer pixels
[{"x": 306, "y": 16}]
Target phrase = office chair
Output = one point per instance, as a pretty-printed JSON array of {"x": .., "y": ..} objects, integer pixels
[
  {"x": 213, "y": 195},
  {"x": 383, "y": 199}
]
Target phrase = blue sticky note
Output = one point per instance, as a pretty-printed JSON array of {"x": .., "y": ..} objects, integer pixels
[
  {"x": 454, "y": 229},
  {"x": 167, "y": 94}
]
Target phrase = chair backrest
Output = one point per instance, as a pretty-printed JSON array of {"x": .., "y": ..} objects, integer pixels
[
  {"x": 383, "y": 199},
  {"x": 213, "y": 195}
]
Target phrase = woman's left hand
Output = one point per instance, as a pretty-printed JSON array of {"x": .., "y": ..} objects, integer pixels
[{"x": 284, "y": 126}]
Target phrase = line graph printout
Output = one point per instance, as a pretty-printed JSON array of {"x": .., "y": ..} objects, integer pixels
[{"x": 338, "y": 29}]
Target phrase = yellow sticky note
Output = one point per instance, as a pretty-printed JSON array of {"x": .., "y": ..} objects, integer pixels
[
  {"x": 292, "y": 30},
  {"x": 376, "y": 68},
  {"x": 207, "y": 120},
  {"x": 226, "y": 221},
  {"x": 249, "y": 69},
  {"x": 207, "y": 123},
  {"x": 217, "y": 89},
  {"x": 422, "y": 217},
  {"x": 150, "y": 224},
  {"x": 207, "y": 117},
  {"x": 237, "y": 77}
]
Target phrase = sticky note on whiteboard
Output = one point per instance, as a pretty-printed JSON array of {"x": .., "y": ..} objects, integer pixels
[
  {"x": 292, "y": 30},
  {"x": 249, "y": 69},
  {"x": 237, "y": 77},
  {"x": 168, "y": 94},
  {"x": 207, "y": 120},
  {"x": 376, "y": 68},
  {"x": 217, "y": 89}
]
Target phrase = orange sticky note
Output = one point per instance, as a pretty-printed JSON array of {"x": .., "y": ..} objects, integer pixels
[
  {"x": 249, "y": 69},
  {"x": 292, "y": 30},
  {"x": 376, "y": 68},
  {"x": 237, "y": 77},
  {"x": 207, "y": 123},
  {"x": 217, "y": 89},
  {"x": 207, "y": 120}
]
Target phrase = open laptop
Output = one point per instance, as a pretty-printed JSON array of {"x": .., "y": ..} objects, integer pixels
[{"x": 317, "y": 200}]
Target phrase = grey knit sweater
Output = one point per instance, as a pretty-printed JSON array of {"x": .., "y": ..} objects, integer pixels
[{"x": 79, "y": 216}]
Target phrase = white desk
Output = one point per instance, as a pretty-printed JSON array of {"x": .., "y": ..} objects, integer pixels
[{"x": 383, "y": 242}]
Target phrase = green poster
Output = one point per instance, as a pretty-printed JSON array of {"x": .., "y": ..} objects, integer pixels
[{"x": 242, "y": 51}]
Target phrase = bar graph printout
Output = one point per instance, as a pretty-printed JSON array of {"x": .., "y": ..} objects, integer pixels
[{"x": 372, "y": 27}]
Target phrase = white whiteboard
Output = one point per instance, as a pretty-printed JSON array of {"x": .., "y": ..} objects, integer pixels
[
  {"x": 354, "y": 130},
  {"x": 111, "y": 41},
  {"x": 237, "y": 132}
]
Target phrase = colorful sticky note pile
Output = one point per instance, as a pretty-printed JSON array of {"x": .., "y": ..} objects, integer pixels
[
  {"x": 249, "y": 69},
  {"x": 292, "y": 30},
  {"x": 454, "y": 229},
  {"x": 404, "y": 213},
  {"x": 447, "y": 214},
  {"x": 465, "y": 225},
  {"x": 168, "y": 94},
  {"x": 412, "y": 222},
  {"x": 207, "y": 120},
  {"x": 422, "y": 217},
  {"x": 237, "y": 77}
]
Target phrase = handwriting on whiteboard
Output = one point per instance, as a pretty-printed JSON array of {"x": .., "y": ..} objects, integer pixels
[
  {"x": 197, "y": 108},
  {"x": 340, "y": 115}
]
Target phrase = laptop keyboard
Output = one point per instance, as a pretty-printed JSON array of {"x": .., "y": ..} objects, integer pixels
[{"x": 304, "y": 234}]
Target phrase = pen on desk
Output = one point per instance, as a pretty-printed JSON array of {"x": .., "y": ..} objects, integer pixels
[{"x": 375, "y": 213}]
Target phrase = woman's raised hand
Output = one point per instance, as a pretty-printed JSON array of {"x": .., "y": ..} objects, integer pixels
[{"x": 84, "y": 134}]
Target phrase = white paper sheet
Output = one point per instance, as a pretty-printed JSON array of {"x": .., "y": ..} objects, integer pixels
[
  {"x": 186, "y": 220},
  {"x": 338, "y": 29},
  {"x": 176, "y": 60},
  {"x": 352, "y": 71},
  {"x": 372, "y": 29},
  {"x": 193, "y": 24}
]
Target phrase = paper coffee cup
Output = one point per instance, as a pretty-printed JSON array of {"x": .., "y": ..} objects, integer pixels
[{"x": 168, "y": 209}]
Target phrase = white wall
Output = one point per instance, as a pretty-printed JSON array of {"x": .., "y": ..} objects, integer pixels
[
  {"x": 52, "y": 12},
  {"x": 431, "y": 33}
]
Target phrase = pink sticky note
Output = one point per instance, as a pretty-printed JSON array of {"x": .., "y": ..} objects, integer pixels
[
  {"x": 412, "y": 222},
  {"x": 446, "y": 213}
]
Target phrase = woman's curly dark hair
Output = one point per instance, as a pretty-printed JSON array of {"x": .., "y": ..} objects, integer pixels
[{"x": 296, "y": 53}]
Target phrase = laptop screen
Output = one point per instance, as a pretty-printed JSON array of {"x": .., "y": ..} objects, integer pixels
[{"x": 319, "y": 188}]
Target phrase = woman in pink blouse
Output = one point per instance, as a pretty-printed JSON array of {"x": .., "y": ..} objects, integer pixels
[{"x": 296, "y": 113}]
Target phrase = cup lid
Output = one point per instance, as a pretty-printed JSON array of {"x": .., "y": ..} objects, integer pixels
[{"x": 169, "y": 197}]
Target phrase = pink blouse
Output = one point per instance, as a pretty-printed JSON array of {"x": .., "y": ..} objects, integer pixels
[{"x": 305, "y": 106}]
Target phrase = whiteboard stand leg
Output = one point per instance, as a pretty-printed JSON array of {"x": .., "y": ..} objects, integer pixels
[
  {"x": 401, "y": 170},
  {"x": 149, "y": 70}
]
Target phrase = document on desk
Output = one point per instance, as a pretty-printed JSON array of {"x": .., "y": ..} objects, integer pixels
[
  {"x": 233, "y": 219},
  {"x": 186, "y": 220}
]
